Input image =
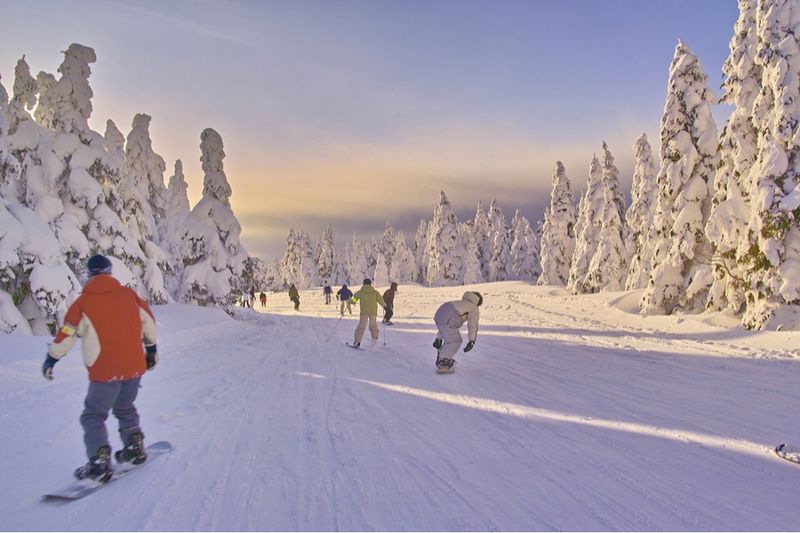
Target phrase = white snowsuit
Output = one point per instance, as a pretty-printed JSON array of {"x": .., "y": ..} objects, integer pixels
[{"x": 450, "y": 317}]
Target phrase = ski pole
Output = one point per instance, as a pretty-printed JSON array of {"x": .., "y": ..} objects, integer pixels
[
  {"x": 384, "y": 333},
  {"x": 334, "y": 328}
]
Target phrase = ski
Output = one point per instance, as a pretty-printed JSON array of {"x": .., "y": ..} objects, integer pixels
[
  {"x": 83, "y": 487},
  {"x": 788, "y": 452},
  {"x": 353, "y": 346}
]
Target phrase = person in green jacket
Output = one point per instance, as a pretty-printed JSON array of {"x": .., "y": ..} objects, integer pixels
[
  {"x": 294, "y": 296},
  {"x": 369, "y": 300}
]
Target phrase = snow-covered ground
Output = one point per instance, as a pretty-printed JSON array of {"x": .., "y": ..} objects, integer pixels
[{"x": 571, "y": 413}]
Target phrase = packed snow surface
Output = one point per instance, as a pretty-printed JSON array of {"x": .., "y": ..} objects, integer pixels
[{"x": 571, "y": 413}]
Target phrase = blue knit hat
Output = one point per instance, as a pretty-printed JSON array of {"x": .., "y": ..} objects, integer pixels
[{"x": 98, "y": 264}]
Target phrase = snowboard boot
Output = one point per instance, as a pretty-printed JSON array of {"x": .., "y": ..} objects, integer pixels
[
  {"x": 133, "y": 452},
  {"x": 438, "y": 343},
  {"x": 98, "y": 467},
  {"x": 444, "y": 365}
]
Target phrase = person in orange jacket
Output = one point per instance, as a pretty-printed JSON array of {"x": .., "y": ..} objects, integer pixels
[{"x": 112, "y": 322}]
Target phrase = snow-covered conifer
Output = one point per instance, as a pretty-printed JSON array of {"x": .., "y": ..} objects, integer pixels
[
  {"x": 444, "y": 253},
  {"x": 500, "y": 263},
  {"x": 587, "y": 229},
  {"x": 771, "y": 253},
  {"x": 24, "y": 96},
  {"x": 525, "y": 260},
  {"x": 387, "y": 244},
  {"x": 212, "y": 253},
  {"x": 66, "y": 105},
  {"x": 421, "y": 249},
  {"x": 688, "y": 161},
  {"x": 357, "y": 261},
  {"x": 483, "y": 239},
  {"x": 404, "y": 267},
  {"x": 558, "y": 237},
  {"x": 640, "y": 215},
  {"x": 292, "y": 262},
  {"x": 325, "y": 261},
  {"x": 381, "y": 276}
]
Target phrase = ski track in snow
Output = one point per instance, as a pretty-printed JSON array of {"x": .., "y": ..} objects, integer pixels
[{"x": 567, "y": 415}]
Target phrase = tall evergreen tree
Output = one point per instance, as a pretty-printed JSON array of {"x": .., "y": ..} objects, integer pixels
[
  {"x": 772, "y": 260},
  {"x": 558, "y": 236},
  {"x": 730, "y": 205},
  {"x": 500, "y": 263},
  {"x": 525, "y": 260},
  {"x": 640, "y": 214},
  {"x": 688, "y": 159},
  {"x": 404, "y": 267},
  {"x": 587, "y": 229},
  {"x": 325, "y": 262},
  {"x": 443, "y": 261},
  {"x": 483, "y": 239}
]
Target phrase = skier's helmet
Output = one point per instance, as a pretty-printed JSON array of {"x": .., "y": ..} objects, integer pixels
[
  {"x": 98, "y": 264},
  {"x": 480, "y": 298}
]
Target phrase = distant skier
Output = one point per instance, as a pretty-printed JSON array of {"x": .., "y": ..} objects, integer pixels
[
  {"x": 113, "y": 322},
  {"x": 388, "y": 299},
  {"x": 328, "y": 292},
  {"x": 246, "y": 302},
  {"x": 344, "y": 294},
  {"x": 294, "y": 296},
  {"x": 369, "y": 300},
  {"x": 449, "y": 318},
  {"x": 263, "y": 297}
]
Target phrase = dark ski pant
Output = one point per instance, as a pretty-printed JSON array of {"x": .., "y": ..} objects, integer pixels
[
  {"x": 448, "y": 322},
  {"x": 296, "y": 303},
  {"x": 388, "y": 313},
  {"x": 102, "y": 397}
]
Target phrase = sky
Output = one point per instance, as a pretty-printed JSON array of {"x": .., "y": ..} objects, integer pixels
[{"x": 352, "y": 113}]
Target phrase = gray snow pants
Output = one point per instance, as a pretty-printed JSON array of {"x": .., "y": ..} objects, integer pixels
[
  {"x": 117, "y": 396},
  {"x": 449, "y": 323}
]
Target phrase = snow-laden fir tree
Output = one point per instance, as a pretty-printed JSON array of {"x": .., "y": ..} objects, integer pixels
[
  {"x": 66, "y": 105},
  {"x": 404, "y": 266},
  {"x": 640, "y": 215},
  {"x": 483, "y": 239},
  {"x": 500, "y": 263},
  {"x": 292, "y": 262},
  {"x": 325, "y": 261},
  {"x": 341, "y": 273},
  {"x": 525, "y": 260},
  {"x": 309, "y": 263},
  {"x": 387, "y": 244},
  {"x": 680, "y": 261},
  {"x": 23, "y": 96},
  {"x": 358, "y": 269},
  {"x": 177, "y": 213},
  {"x": 212, "y": 253},
  {"x": 471, "y": 259},
  {"x": 444, "y": 247},
  {"x": 381, "y": 276},
  {"x": 558, "y": 237},
  {"x": 772, "y": 258},
  {"x": 421, "y": 249},
  {"x": 730, "y": 207},
  {"x": 587, "y": 229},
  {"x": 609, "y": 266}
]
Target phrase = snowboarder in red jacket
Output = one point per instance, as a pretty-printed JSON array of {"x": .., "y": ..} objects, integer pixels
[{"x": 112, "y": 322}]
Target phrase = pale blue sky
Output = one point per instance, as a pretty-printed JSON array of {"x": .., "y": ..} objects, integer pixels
[{"x": 352, "y": 112}]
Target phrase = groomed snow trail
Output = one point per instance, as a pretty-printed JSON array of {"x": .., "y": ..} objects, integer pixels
[{"x": 569, "y": 415}]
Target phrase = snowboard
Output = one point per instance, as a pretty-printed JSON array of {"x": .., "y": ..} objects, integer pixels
[
  {"x": 788, "y": 452},
  {"x": 83, "y": 487},
  {"x": 444, "y": 369}
]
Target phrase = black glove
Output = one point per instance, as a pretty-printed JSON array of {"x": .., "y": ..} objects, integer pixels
[
  {"x": 469, "y": 346},
  {"x": 151, "y": 354},
  {"x": 47, "y": 367}
]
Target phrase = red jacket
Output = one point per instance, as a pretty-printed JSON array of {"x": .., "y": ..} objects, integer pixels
[{"x": 113, "y": 322}]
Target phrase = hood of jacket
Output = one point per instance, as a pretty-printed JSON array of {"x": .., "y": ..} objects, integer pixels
[
  {"x": 471, "y": 297},
  {"x": 101, "y": 284}
]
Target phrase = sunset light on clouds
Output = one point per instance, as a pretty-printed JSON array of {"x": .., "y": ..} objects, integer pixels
[{"x": 334, "y": 109}]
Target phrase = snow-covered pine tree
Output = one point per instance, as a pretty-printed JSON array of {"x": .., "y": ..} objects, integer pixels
[
  {"x": 144, "y": 202},
  {"x": 381, "y": 276},
  {"x": 387, "y": 244},
  {"x": 483, "y": 239},
  {"x": 177, "y": 213},
  {"x": 325, "y": 262},
  {"x": 310, "y": 269},
  {"x": 609, "y": 267},
  {"x": 23, "y": 96},
  {"x": 443, "y": 261},
  {"x": 404, "y": 267},
  {"x": 470, "y": 260},
  {"x": 730, "y": 206},
  {"x": 357, "y": 261},
  {"x": 500, "y": 263},
  {"x": 292, "y": 262},
  {"x": 558, "y": 237},
  {"x": 421, "y": 250},
  {"x": 525, "y": 260},
  {"x": 640, "y": 214},
  {"x": 213, "y": 256},
  {"x": 772, "y": 259},
  {"x": 587, "y": 229},
  {"x": 688, "y": 160}
]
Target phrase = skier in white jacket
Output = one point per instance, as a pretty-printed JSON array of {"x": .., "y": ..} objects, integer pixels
[{"x": 449, "y": 318}]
